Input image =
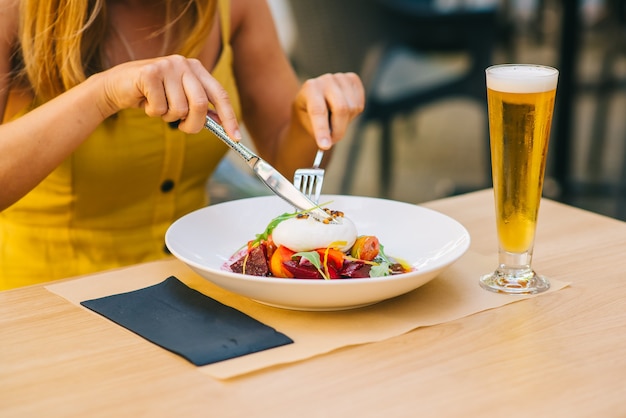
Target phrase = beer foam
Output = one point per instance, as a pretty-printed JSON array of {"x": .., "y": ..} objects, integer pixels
[{"x": 514, "y": 78}]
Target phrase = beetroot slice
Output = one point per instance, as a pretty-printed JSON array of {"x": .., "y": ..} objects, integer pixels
[
  {"x": 356, "y": 270},
  {"x": 308, "y": 271},
  {"x": 256, "y": 264}
]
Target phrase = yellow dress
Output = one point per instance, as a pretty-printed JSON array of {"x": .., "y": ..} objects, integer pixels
[{"x": 110, "y": 203}]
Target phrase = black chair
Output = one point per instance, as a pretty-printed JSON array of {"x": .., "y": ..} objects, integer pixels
[
  {"x": 609, "y": 83},
  {"x": 334, "y": 35},
  {"x": 590, "y": 185},
  {"x": 420, "y": 31},
  {"x": 383, "y": 40}
]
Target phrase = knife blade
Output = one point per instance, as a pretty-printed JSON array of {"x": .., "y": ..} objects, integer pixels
[{"x": 272, "y": 178}]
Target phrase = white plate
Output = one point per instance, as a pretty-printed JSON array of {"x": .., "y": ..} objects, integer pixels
[{"x": 428, "y": 240}]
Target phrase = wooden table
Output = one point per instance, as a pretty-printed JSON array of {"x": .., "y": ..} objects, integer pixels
[{"x": 561, "y": 354}]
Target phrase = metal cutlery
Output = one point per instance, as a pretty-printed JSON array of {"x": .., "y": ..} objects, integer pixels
[
  {"x": 310, "y": 180},
  {"x": 270, "y": 176}
]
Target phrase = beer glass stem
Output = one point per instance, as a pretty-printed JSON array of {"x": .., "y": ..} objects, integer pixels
[
  {"x": 514, "y": 262},
  {"x": 514, "y": 275}
]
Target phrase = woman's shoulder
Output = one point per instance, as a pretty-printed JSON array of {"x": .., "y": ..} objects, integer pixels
[
  {"x": 9, "y": 8},
  {"x": 243, "y": 10},
  {"x": 9, "y": 11},
  {"x": 9, "y": 18}
]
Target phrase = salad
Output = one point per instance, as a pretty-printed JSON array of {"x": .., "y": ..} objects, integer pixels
[{"x": 295, "y": 245}]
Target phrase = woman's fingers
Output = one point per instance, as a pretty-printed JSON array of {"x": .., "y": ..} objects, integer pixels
[
  {"x": 218, "y": 97},
  {"x": 317, "y": 112},
  {"x": 332, "y": 101},
  {"x": 191, "y": 107},
  {"x": 150, "y": 92},
  {"x": 176, "y": 88}
]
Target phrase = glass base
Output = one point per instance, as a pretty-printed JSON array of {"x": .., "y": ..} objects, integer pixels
[{"x": 514, "y": 284}]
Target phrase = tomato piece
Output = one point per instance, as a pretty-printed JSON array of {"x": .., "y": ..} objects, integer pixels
[
  {"x": 280, "y": 256},
  {"x": 366, "y": 247},
  {"x": 332, "y": 257}
]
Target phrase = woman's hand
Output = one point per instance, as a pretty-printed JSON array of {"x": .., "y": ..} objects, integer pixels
[
  {"x": 327, "y": 104},
  {"x": 172, "y": 88}
]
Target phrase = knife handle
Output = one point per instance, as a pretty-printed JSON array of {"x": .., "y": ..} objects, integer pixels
[{"x": 238, "y": 147}]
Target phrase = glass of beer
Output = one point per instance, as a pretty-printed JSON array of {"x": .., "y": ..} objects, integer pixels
[{"x": 520, "y": 100}]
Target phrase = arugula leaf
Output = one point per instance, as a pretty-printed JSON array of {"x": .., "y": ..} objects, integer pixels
[
  {"x": 312, "y": 256},
  {"x": 263, "y": 236},
  {"x": 380, "y": 270},
  {"x": 382, "y": 255}
]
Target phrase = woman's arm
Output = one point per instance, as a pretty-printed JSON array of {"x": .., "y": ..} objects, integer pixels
[
  {"x": 287, "y": 121},
  {"x": 172, "y": 88},
  {"x": 33, "y": 145}
]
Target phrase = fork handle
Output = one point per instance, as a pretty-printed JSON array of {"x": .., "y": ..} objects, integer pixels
[{"x": 318, "y": 158}]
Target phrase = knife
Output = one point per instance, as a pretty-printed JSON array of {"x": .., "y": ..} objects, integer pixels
[{"x": 270, "y": 176}]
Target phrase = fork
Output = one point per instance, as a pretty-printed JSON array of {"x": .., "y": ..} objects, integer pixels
[{"x": 310, "y": 180}]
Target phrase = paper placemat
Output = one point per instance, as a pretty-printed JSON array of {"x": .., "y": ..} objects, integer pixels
[{"x": 452, "y": 295}]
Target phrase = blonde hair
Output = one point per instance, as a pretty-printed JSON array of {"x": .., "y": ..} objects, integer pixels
[{"x": 61, "y": 41}]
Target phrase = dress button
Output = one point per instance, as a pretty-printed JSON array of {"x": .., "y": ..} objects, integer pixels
[
  {"x": 174, "y": 125},
  {"x": 167, "y": 185}
]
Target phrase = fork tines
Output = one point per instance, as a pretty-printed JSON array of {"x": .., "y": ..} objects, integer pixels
[{"x": 310, "y": 180}]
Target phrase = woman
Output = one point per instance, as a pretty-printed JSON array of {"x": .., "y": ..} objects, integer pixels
[{"x": 102, "y": 146}]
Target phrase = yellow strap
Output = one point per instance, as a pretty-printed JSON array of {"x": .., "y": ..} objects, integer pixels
[{"x": 224, "y": 11}]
